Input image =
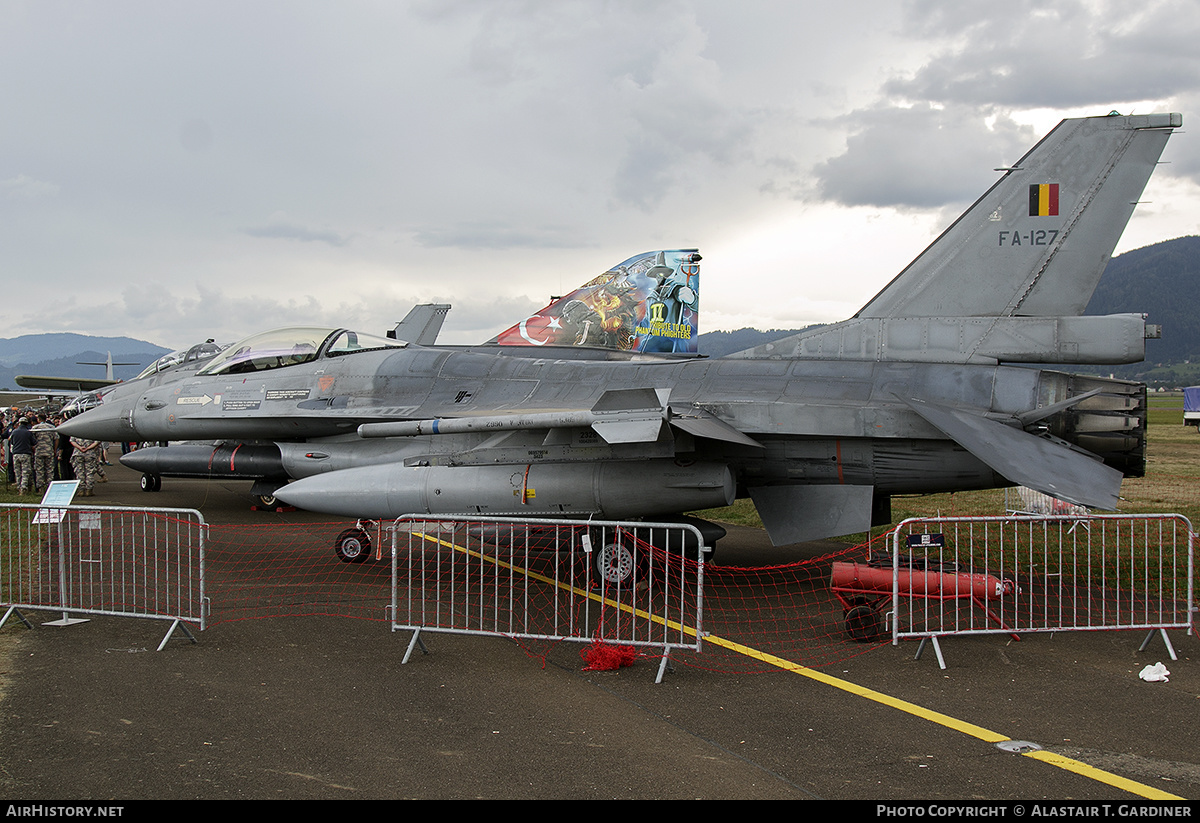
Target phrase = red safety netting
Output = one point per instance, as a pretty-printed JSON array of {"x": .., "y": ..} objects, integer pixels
[
  {"x": 291, "y": 570},
  {"x": 786, "y": 611}
]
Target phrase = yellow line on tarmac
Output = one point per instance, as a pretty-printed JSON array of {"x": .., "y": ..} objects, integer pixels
[
  {"x": 862, "y": 691},
  {"x": 1131, "y": 786},
  {"x": 971, "y": 729},
  {"x": 1067, "y": 763}
]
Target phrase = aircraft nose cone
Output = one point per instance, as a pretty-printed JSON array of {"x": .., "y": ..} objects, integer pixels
[{"x": 105, "y": 422}]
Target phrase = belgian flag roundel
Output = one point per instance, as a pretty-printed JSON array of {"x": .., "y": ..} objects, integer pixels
[{"x": 1043, "y": 200}]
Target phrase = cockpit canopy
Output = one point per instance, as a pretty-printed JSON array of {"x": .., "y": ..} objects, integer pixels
[
  {"x": 198, "y": 352},
  {"x": 81, "y": 403},
  {"x": 293, "y": 346}
]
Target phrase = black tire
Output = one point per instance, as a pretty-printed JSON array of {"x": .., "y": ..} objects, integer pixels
[
  {"x": 353, "y": 546},
  {"x": 267, "y": 501},
  {"x": 864, "y": 624},
  {"x": 151, "y": 482}
]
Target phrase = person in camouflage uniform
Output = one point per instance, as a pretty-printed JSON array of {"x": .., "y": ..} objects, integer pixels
[
  {"x": 6, "y": 428},
  {"x": 86, "y": 463},
  {"x": 20, "y": 444},
  {"x": 43, "y": 452}
]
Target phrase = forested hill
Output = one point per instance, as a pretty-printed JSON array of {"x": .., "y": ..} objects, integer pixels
[
  {"x": 1163, "y": 282},
  {"x": 721, "y": 343},
  {"x": 59, "y": 355}
]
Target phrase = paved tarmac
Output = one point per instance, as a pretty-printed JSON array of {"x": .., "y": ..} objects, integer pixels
[{"x": 312, "y": 707}]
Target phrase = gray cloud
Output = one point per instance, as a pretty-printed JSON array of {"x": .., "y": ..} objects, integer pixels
[
  {"x": 496, "y": 236},
  {"x": 24, "y": 187},
  {"x": 179, "y": 320},
  {"x": 626, "y": 88},
  {"x": 293, "y": 231},
  {"x": 1068, "y": 54},
  {"x": 195, "y": 135},
  {"x": 919, "y": 157},
  {"x": 935, "y": 130}
]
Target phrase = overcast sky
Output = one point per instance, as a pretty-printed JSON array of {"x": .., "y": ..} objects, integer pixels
[{"x": 182, "y": 170}]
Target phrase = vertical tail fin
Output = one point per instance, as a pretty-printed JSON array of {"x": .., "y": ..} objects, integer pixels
[
  {"x": 422, "y": 324},
  {"x": 649, "y": 303},
  {"x": 1037, "y": 242}
]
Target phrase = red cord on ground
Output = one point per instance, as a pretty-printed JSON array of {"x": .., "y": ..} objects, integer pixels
[{"x": 605, "y": 657}]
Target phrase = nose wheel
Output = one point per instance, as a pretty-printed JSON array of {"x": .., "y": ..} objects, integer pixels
[
  {"x": 151, "y": 482},
  {"x": 352, "y": 546}
]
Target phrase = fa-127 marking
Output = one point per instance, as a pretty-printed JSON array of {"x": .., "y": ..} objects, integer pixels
[{"x": 1041, "y": 237}]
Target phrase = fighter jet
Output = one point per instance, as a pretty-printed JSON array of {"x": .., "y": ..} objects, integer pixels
[{"x": 930, "y": 387}]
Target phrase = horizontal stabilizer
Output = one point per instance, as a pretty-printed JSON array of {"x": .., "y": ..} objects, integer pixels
[{"x": 1026, "y": 460}]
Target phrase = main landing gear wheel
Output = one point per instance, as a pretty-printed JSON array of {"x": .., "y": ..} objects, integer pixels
[
  {"x": 616, "y": 564},
  {"x": 151, "y": 482},
  {"x": 352, "y": 546},
  {"x": 267, "y": 501}
]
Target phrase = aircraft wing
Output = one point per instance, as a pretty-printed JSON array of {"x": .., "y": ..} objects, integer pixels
[{"x": 76, "y": 384}]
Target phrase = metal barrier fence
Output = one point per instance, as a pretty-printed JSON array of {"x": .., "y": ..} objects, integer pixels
[
  {"x": 1014, "y": 575},
  {"x": 638, "y": 584},
  {"x": 103, "y": 560}
]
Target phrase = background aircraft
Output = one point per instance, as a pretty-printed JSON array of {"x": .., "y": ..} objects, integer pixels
[
  {"x": 913, "y": 394},
  {"x": 76, "y": 384}
]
